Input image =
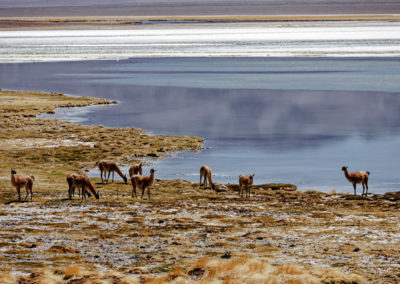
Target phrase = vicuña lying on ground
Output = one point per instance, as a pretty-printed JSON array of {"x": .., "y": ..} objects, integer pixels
[
  {"x": 108, "y": 166},
  {"x": 135, "y": 169},
  {"x": 142, "y": 182},
  {"x": 206, "y": 172},
  {"x": 245, "y": 181},
  {"x": 83, "y": 182},
  {"x": 357, "y": 177},
  {"x": 22, "y": 181}
]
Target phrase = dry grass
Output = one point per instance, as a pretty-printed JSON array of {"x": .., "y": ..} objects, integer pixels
[
  {"x": 12, "y": 22},
  {"x": 205, "y": 270}
]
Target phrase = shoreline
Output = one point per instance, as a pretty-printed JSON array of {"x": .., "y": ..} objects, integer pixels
[
  {"x": 16, "y": 23},
  {"x": 62, "y": 139}
]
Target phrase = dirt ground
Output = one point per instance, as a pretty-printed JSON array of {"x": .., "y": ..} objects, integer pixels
[{"x": 183, "y": 233}]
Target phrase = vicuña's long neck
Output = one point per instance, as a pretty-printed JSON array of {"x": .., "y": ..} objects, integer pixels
[
  {"x": 12, "y": 179},
  {"x": 118, "y": 170},
  {"x": 151, "y": 178},
  {"x": 210, "y": 178},
  {"x": 346, "y": 174},
  {"x": 90, "y": 186}
]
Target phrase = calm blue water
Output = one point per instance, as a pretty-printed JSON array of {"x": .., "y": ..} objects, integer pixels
[{"x": 286, "y": 120}]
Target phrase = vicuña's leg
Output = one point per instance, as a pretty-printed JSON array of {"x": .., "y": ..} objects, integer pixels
[
  {"x": 108, "y": 177},
  {"x": 200, "y": 180},
  {"x": 143, "y": 188},
  {"x": 101, "y": 175},
  {"x": 19, "y": 193},
  {"x": 366, "y": 185},
  {"x": 134, "y": 188},
  {"x": 148, "y": 192},
  {"x": 354, "y": 185},
  {"x": 27, "y": 191},
  {"x": 113, "y": 176}
]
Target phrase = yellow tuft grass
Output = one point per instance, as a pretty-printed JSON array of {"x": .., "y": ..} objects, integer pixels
[
  {"x": 205, "y": 270},
  {"x": 72, "y": 271}
]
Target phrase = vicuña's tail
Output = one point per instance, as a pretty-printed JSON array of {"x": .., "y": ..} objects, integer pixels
[
  {"x": 368, "y": 173},
  {"x": 33, "y": 178}
]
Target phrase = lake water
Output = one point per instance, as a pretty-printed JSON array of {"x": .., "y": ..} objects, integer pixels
[
  {"x": 46, "y": 8},
  {"x": 292, "y": 120}
]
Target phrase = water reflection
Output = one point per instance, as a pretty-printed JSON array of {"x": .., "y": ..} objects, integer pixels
[{"x": 310, "y": 132}]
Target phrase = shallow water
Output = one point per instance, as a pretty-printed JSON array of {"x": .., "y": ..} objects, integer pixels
[
  {"x": 29, "y": 8},
  {"x": 286, "y": 120}
]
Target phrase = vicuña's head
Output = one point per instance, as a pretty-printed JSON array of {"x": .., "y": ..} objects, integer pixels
[
  {"x": 13, "y": 171},
  {"x": 251, "y": 176},
  {"x": 152, "y": 171},
  {"x": 125, "y": 179},
  {"x": 97, "y": 194},
  {"x": 344, "y": 168}
]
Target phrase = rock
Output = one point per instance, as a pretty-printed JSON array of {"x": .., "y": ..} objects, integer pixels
[
  {"x": 152, "y": 155},
  {"x": 227, "y": 255},
  {"x": 356, "y": 250},
  {"x": 196, "y": 273},
  {"x": 63, "y": 249}
]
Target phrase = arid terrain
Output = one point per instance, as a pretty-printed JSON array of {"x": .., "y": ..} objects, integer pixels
[{"x": 183, "y": 233}]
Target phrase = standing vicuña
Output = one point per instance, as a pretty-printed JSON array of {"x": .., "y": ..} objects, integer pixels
[
  {"x": 72, "y": 186},
  {"x": 206, "y": 172},
  {"x": 108, "y": 166},
  {"x": 245, "y": 181},
  {"x": 357, "y": 177},
  {"x": 142, "y": 182},
  {"x": 135, "y": 169},
  {"x": 82, "y": 181},
  {"x": 22, "y": 181}
]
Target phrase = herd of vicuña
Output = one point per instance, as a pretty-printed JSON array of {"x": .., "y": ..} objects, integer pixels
[{"x": 85, "y": 187}]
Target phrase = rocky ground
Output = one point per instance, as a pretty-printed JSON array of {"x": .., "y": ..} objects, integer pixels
[{"x": 183, "y": 233}]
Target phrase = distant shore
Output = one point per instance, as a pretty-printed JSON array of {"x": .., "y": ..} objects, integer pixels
[{"x": 136, "y": 21}]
